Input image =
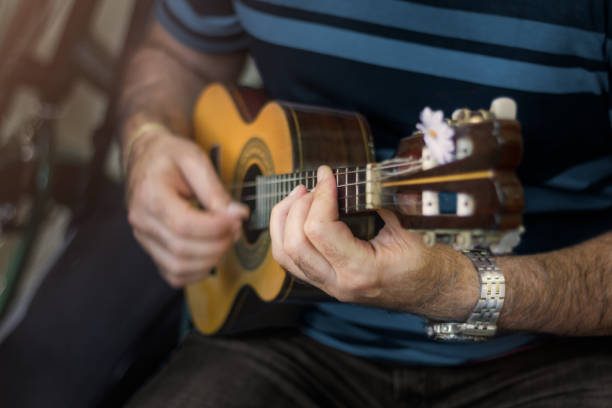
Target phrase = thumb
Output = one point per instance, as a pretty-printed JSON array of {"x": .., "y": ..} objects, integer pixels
[
  {"x": 325, "y": 205},
  {"x": 206, "y": 185}
]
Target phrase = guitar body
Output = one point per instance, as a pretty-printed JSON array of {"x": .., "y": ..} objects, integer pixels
[{"x": 245, "y": 138}]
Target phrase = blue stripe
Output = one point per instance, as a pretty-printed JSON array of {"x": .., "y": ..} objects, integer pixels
[
  {"x": 583, "y": 175},
  {"x": 196, "y": 42},
  {"x": 485, "y": 28},
  {"x": 422, "y": 59},
  {"x": 374, "y": 317},
  {"x": 545, "y": 200},
  {"x": 357, "y": 330},
  {"x": 214, "y": 26}
]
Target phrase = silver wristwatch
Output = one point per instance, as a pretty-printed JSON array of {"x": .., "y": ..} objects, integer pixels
[{"x": 482, "y": 323}]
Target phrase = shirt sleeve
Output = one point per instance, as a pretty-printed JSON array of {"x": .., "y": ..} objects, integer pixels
[{"x": 205, "y": 25}]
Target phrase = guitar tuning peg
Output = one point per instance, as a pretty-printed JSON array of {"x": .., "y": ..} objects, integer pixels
[
  {"x": 504, "y": 108},
  {"x": 464, "y": 240},
  {"x": 461, "y": 114},
  {"x": 429, "y": 238}
]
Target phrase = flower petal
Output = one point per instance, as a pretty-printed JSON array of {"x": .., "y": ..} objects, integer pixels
[{"x": 438, "y": 116}]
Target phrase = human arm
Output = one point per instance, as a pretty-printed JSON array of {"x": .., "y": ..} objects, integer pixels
[
  {"x": 164, "y": 169},
  {"x": 564, "y": 292}
]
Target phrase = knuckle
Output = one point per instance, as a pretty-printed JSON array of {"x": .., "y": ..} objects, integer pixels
[
  {"x": 277, "y": 252},
  {"x": 293, "y": 246},
  {"x": 174, "y": 268},
  {"x": 277, "y": 210},
  {"x": 218, "y": 228},
  {"x": 307, "y": 271},
  {"x": 146, "y": 193},
  {"x": 179, "y": 225},
  {"x": 177, "y": 248},
  {"x": 313, "y": 229}
]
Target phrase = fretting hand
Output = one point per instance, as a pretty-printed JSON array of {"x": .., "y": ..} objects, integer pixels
[{"x": 394, "y": 270}]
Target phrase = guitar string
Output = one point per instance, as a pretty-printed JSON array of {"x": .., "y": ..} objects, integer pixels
[
  {"x": 254, "y": 197},
  {"x": 274, "y": 179},
  {"x": 281, "y": 193},
  {"x": 342, "y": 208},
  {"x": 356, "y": 183},
  {"x": 382, "y": 203}
]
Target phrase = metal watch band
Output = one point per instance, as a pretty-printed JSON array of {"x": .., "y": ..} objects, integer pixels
[{"x": 482, "y": 323}]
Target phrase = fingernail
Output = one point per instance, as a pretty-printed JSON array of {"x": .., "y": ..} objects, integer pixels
[
  {"x": 295, "y": 190},
  {"x": 237, "y": 209},
  {"x": 321, "y": 173}
]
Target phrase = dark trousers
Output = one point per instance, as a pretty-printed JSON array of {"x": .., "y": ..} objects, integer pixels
[
  {"x": 101, "y": 322},
  {"x": 287, "y": 369}
]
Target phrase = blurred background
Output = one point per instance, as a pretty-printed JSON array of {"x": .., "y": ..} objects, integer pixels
[
  {"x": 84, "y": 316},
  {"x": 60, "y": 64}
]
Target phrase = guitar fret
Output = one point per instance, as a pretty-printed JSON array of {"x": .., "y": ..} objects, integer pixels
[
  {"x": 344, "y": 181},
  {"x": 356, "y": 188},
  {"x": 357, "y": 177},
  {"x": 363, "y": 189},
  {"x": 313, "y": 178},
  {"x": 266, "y": 210},
  {"x": 309, "y": 180}
]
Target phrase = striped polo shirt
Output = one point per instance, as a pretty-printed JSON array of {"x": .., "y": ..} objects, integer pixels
[{"x": 390, "y": 58}]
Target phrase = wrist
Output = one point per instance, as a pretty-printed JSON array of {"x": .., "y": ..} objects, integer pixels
[
  {"x": 481, "y": 323},
  {"x": 457, "y": 288},
  {"x": 467, "y": 287},
  {"x": 134, "y": 135}
]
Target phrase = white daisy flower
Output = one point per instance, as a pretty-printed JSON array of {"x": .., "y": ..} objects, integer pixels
[{"x": 438, "y": 135}]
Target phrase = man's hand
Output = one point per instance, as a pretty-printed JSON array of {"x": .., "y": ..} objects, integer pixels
[
  {"x": 165, "y": 175},
  {"x": 394, "y": 270}
]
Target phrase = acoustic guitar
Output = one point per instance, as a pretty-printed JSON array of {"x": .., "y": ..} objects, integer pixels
[{"x": 263, "y": 149}]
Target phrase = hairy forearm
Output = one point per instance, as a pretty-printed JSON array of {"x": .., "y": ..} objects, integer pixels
[
  {"x": 563, "y": 292},
  {"x": 157, "y": 88},
  {"x": 163, "y": 80}
]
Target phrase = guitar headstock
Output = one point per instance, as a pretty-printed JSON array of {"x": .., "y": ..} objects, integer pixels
[{"x": 454, "y": 180}]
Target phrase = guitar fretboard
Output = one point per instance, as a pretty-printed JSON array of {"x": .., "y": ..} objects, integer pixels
[{"x": 269, "y": 190}]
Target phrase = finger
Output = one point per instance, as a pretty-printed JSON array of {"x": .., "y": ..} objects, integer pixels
[
  {"x": 308, "y": 260},
  {"x": 326, "y": 195},
  {"x": 178, "y": 217},
  {"x": 278, "y": 218},
  {"x": 188, "y": 248},
  {"x": 204, "y": 182},
  {"x": 178, "y": 272},
  {"x": 178, "y": 265},
  {"x": 279, "y": 215},
  {"x": 330, "y": 236}
]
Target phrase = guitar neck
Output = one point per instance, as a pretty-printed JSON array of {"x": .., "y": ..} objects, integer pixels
[{"x": 352, "y": 187}]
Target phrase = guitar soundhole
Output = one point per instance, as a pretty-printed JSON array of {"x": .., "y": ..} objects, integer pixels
[{"x": 247, "y": 196}]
